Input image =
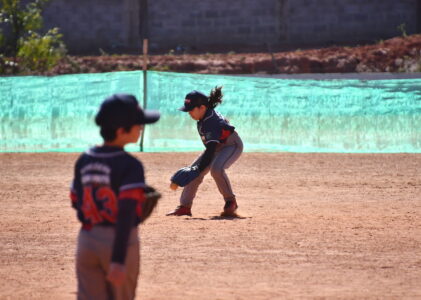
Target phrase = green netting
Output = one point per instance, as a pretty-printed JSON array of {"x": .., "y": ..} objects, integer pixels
[{"x": 56, "y": 113}]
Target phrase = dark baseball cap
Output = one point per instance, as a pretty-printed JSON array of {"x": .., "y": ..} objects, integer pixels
[
  {"x": 123, "y": 110},
  {"x": 194, "y": 99}
]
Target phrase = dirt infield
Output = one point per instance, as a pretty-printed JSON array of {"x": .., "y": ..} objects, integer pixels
[{"x": 313, "y": 226}]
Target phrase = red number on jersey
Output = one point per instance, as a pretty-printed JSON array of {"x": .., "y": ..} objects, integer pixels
[
  {"x": 107, "y": 196},
  {"x": 89, "y": 208}
]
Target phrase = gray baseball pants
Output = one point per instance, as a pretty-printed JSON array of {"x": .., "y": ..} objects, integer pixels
[
  {"x": 92, "y": 262},
  {"x": 226, "y": 154}
]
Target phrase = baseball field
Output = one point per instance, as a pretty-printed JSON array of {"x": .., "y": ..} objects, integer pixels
[{"x": 311, "y": 226}]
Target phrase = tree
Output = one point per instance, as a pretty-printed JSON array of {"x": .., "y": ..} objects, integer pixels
[{"x": 23, "y": 48}]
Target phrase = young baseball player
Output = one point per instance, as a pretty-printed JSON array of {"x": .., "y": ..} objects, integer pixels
[
  {"x": 223, "y": 147},
  {"x": 109, "y": 191}
]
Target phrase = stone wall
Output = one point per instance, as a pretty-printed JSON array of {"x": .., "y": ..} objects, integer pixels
[{"x": 211, "y": 25}]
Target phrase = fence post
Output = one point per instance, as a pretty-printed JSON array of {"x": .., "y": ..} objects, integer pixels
[{"x": 144, "y": 31}]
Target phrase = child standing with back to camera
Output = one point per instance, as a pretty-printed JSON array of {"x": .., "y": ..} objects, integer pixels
[
  {"x": 223, "y": 147},
  {"x": 111, "y": 199}
]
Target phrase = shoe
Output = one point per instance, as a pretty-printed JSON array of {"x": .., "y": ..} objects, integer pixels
[
  {"x": 180, "y": 211},
  {"x": 230, "y": 208}
]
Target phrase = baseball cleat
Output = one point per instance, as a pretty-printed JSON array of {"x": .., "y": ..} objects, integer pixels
[
  {"x": 229, "y": 208},
  {"x": 180, "y": 211}
]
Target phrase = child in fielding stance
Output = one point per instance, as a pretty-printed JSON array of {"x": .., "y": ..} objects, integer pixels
[
  {"x": 223, "y": 147},
  {"x": 108, "y": 192}
]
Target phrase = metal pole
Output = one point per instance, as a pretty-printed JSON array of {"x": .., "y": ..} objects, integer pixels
[{"x": 144, "y": 31}]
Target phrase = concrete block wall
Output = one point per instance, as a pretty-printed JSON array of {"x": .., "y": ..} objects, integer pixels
[
  {"x": 330, "y": 21},
  {"x": 91, "y": 25},
  {"x": 208, "y": 25},
  {"x": 204, "y": 24}
]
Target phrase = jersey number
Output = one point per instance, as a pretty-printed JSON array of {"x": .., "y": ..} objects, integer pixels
[{"x": 90, "y": 210}]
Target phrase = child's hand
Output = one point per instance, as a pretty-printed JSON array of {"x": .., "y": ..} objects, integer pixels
[
  {"x": 116, "y": 274},
  {"x": 173, "y": 186}
]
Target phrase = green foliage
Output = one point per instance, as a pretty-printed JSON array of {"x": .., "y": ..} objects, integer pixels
[
  {"x": 24, "y": 48},
  {"x": 41, "y": 53}
]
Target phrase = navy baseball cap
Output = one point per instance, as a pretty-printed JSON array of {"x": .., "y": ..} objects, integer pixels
[
  {"x": 194, "y": 99},
  {"x": 123, "y": 110}
]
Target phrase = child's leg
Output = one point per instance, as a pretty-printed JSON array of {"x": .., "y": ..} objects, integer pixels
[
  {"x": 92, "y": 262},
  {"x": 223, "y": 160},
  {"x": 190, "y": 190},
  {"x": 90, "y": 274},
  {"x": 128, "y": 289}
]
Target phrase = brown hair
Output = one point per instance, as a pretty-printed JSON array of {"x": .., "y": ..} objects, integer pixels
[{"x": 215, "y": 97}]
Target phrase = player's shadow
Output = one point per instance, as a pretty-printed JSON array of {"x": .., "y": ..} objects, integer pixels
[
  {"x": 220, "y": 218},
  {"x": 228, "y": 217}
]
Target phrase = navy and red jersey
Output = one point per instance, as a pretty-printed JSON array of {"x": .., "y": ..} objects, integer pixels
[
  {"x": 213, "y": 127},
  {"x": 103, "y": 176}
]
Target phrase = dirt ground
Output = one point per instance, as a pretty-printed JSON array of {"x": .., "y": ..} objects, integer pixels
[
  {"x": 399, "y": 54},
  {"x": 312, "y": 226}
]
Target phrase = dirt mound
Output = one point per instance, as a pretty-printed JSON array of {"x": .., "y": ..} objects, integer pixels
[{"x": 400, "y": 54}]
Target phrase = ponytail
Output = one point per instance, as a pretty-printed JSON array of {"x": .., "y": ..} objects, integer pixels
[{"x": 215, "y": 97}]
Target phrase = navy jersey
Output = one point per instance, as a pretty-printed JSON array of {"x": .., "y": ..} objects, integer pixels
[
  {"x": 103, "y": 176},
  {"x": 213, "y": 127}
]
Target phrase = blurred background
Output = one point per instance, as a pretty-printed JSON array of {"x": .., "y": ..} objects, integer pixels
[
  {"x": 53, "y": 37},
  {"x": 310, "y": 75},
  {"x": 222, "y": 26}
]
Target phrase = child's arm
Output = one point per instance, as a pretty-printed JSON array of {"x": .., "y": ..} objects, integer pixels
[
  {"x": 185, "y": 175},
  {"x": 207, "y": 156},
  {"x": 125, "y": 221},
  {"x": 73, "y": 197}
]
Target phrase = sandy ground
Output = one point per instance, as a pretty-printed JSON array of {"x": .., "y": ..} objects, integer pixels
[{"x": 313, "y": 226}]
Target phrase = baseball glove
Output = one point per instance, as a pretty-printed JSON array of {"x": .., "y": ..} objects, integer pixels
[
  {"x": 151, "y": 200},
  {"x": 185, "y": 175}
]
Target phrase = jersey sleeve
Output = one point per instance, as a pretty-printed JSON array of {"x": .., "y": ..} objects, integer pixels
[
  {"x": 207, "y": 156},
  {"x": 130, "y": 197},
  {"x": 133, "y": 185},
  {"x": 75, "y": 185}
]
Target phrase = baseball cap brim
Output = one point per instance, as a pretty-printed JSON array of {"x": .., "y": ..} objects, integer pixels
[
  {"x": 150, "y": 116},
  {"x": 185, "y": 109}
]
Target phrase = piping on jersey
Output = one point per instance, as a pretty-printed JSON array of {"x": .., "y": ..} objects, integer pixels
[{"x": 132, "y": 186}]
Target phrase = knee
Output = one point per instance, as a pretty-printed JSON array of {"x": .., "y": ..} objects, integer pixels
[{"x": 216, "y": 172}]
